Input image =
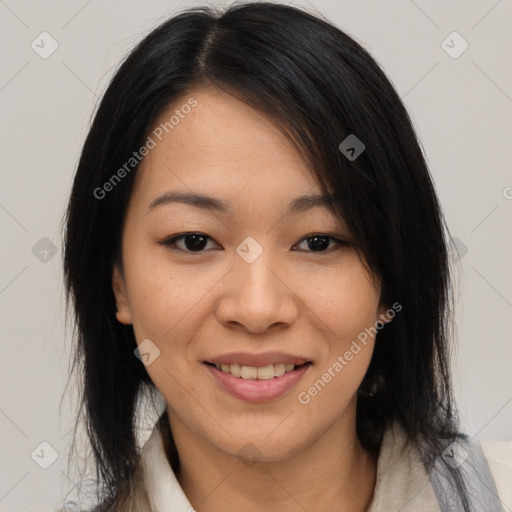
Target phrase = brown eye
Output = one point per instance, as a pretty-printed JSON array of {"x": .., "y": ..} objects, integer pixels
[
  {"x": 320, "y": 243},
  {"x": 197, "y": 243},
  {"x": 188, "y": 242}
]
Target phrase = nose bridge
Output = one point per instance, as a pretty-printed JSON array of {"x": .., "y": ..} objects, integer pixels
[
  {"x": 256, "y": 296},
  {"x": 253, "y": 266}
]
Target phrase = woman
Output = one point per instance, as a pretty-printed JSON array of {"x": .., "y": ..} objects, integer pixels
[{"x": 253, "y": 236}]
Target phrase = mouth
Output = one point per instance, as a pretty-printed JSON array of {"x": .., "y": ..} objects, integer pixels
[
  {"x": 268, "y": 372},
  {"x": 257, "y": 384}
]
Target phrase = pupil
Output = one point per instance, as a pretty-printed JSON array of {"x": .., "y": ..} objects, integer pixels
[
  {"x": 198, "y": 242},
  {"x": 318, "y": 243}
]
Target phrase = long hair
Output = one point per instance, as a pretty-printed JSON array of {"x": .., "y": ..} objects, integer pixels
[{"x": 319, "y": 86}]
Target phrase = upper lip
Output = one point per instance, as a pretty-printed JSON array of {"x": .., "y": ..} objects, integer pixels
[{"x": 257, "y": 360}]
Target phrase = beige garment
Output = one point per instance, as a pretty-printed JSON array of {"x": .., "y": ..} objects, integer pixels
[
  {"x": 402, "y": 482},
  {"x": 401, "y": 479}
]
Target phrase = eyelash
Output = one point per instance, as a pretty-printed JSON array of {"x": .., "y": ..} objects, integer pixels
[{"x": 171, "y": 242}]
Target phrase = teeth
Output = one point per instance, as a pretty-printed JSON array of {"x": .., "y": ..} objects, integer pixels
[
  {"x": 279, "y": 369},
  {"x": 235, "y": 369},
  {"x": 253, "y": 372},
  {"x": 266, "y": 372},
  {"x": 249, "y": 372}
]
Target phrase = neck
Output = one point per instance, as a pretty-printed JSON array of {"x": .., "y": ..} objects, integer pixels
[{"x": 333, "y": 473}]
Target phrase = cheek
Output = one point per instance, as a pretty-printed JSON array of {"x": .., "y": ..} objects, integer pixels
[
  {"x": 348, "y": 307},
  {"x": 334, "y": 384},
  {"x": 162, "y": 296},
  {"x": 344, "y": 299}
]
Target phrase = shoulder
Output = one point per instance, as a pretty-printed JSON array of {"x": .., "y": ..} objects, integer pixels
[{"x": 499, "y": 458}]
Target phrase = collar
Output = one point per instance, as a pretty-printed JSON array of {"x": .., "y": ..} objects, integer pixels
[
  {"x": 163, "y": 490},
  {"x": 402, "y": 482}
]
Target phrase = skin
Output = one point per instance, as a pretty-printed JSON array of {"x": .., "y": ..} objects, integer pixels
[{"x": 194, "y": 305}]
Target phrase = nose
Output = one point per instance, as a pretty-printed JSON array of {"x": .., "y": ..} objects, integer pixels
[{"x": 256, "y": 296}]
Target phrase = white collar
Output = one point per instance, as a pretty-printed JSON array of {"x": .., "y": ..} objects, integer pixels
[
  {"x": 162, "y": 487},
  {"x": 402, "y": 482}
]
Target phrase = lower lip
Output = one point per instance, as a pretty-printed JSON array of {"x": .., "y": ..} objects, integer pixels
[{"x": 256, "y": 390}]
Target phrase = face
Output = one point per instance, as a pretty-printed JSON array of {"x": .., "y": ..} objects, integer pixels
[{"x": 246, "y": 287}]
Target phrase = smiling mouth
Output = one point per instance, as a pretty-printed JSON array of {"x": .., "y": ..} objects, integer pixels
[{"x": 268, "y": 372}]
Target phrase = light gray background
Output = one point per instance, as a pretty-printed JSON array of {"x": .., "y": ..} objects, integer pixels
[{"x": 461, "y": 108}]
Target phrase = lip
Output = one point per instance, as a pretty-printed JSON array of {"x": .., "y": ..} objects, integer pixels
[
  {"x": 257, "y": 360},
  {"x": 256, "y": 390}
]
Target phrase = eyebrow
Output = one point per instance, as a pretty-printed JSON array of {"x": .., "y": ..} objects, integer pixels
[{"x": 300, "y": 204}]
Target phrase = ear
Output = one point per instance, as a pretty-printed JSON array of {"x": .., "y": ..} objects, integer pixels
[{"x": 118, "y": 286}]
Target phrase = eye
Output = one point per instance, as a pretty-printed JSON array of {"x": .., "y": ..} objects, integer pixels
[
  {"x": 320, "y": 242},
  {"x": 192, "y": 242},
  {"x": 196, "y": 242}
]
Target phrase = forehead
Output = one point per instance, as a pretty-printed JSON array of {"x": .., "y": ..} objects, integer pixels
[{"x": 218, "y": 144}]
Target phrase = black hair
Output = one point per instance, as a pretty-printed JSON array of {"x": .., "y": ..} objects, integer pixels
[{"x": 320, "y": 86}]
